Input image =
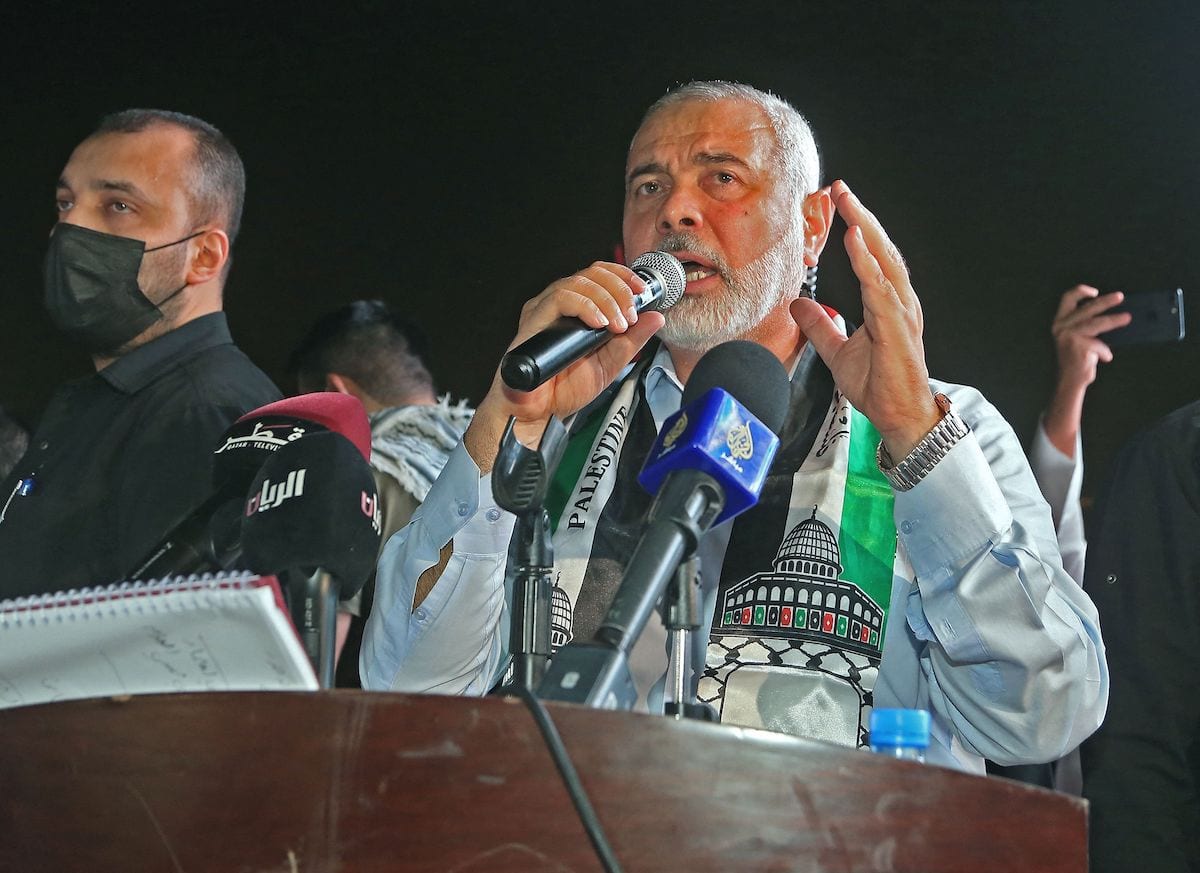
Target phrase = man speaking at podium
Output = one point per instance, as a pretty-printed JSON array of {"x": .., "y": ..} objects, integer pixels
[
  {"x": 148, "y": 208},
  {"x": 953, "y": 599}
]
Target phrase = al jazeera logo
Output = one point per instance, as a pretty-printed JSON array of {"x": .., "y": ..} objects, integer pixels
[
  {"x": 675, "y": 432},
  {"x": 740, "y": 445}
]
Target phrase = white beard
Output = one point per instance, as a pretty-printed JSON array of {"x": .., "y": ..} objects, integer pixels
[{"x": 750, "y": 294}]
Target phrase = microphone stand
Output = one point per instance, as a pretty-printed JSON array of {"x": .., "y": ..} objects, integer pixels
[
  {"x": 596, "y": 673},
  {"x": 680, "y": 609},
  {"x": 313, "y": 600},
  {"x": 520, "y": 479}
]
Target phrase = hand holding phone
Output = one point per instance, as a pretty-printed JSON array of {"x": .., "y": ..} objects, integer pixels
[{"x": 1157, "y": 318}]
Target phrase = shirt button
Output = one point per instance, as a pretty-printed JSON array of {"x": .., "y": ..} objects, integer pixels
[
  {"x": 493, "y": 515},
  {"x": 906, "y": 526},
  {"x": 45, "y": 445},
  {"x": 463, "y": 508},
  {"x": 421, "y": 614}
]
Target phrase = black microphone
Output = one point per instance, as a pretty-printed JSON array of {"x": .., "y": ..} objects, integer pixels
[
  {"x": 312, "y": 519},
  {"x": 313, "y": 503},
  {"x": 548, "y": 352}
]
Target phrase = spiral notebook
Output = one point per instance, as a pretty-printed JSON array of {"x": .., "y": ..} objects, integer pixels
[{"x": 229, "y": 632}]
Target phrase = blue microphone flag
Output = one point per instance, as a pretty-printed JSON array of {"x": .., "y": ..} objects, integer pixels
[{"x": 716, "y": 435}]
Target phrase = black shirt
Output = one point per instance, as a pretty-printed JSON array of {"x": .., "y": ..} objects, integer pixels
[
  {"x": 1141, "y": 771},
  {"x": 120, "y": 457}
]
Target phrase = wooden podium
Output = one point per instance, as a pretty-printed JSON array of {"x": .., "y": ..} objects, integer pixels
[{"x": 361, "y": 782}]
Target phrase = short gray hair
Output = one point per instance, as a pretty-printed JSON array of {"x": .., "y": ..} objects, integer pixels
[{"x": 796, "y": 157}]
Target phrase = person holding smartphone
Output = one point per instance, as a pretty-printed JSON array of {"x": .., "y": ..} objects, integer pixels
[
  {"x": 1087, "y": 327},
  {"x": 1084, "y": 315},
  {"x": 1080, "y": 328}
]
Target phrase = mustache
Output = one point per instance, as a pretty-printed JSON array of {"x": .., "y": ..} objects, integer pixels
[{"x": 680, "y": 242}]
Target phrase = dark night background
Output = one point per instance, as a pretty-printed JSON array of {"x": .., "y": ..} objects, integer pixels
[{"x": 454, "y": 160}]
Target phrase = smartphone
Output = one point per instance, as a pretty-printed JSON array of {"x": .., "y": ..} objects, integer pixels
[{"x": 1157, "y": 318}]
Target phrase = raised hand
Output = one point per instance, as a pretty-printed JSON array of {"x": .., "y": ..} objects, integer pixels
[
  {"x": 881, "y": 366},
  {"x": 1083, "y": 314}
]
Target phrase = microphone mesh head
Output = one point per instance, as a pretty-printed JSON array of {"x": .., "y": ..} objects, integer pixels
[
  {"x": 750, "y": 373},
  {"x": 674, "y": 278}
]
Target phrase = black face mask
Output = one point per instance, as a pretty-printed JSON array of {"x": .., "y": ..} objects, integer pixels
[{"x": 91, "y": 288}]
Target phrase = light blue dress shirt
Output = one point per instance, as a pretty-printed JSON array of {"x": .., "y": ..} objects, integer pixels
[{"x": 992, "y": 636}]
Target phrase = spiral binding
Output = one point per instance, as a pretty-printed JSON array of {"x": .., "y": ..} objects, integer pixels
[{"x": 128, "y": 597}]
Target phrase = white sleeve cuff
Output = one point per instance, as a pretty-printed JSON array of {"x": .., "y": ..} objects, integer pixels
[{"x": 1059, "y": 477}]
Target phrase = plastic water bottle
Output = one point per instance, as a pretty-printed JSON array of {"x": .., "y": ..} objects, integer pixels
[{"x": 900, "y": 733}]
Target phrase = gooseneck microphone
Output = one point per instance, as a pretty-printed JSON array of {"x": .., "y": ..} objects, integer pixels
[
  {"x": 708, "y": 464},
  {"x": 550, "y": 351}
]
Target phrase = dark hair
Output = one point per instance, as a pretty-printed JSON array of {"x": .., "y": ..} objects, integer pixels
[
  {"x": 368, "y": 342},
  {"x": 218, "y": 188},
  {"x": 14, "y": 440}
]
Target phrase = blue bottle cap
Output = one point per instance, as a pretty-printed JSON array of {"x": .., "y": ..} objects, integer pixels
[{"x": 900, "y": 727}]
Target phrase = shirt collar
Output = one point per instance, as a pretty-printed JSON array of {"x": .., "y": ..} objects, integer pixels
[
  {"x": 664, "y": 391},
  {"x": 134, "y": 371},
  {"x": 662, "y": 367}
]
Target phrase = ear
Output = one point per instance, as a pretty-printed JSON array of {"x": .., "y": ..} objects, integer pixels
[
  {"x": 817, "y": 211},
  {"x": 211, "y": 253},
  {"x": 340, "y": 384}
]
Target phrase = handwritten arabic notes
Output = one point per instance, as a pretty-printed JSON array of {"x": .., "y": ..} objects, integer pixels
[{"x": 174, "y": 640}]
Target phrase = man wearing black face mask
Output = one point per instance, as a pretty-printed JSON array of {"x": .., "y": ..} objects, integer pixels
[{"x": 148, "y": 207}]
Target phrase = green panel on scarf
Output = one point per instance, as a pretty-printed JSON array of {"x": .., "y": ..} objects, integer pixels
[
  {"x": 571, "y": 467},
  {"x": 868, "y": 530}
]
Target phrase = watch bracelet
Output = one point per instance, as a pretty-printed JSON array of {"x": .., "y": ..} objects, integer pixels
[{"x": 934, "y": 446}]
